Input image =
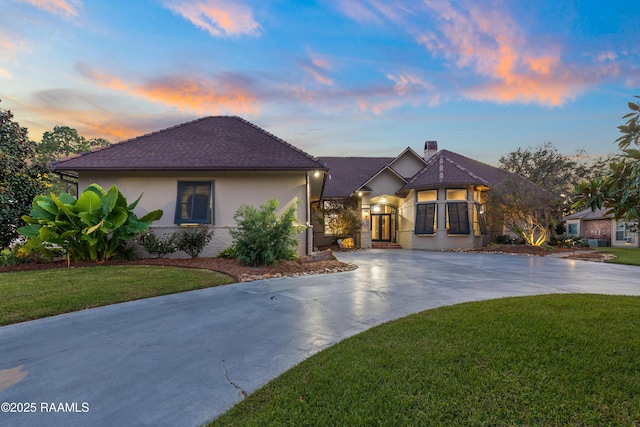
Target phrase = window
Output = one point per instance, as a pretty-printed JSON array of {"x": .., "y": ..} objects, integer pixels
[
  {"x": 427, "y": 196},
  {"x": 572, "y": 229},
  {"x": 194, "y": 203},
  {"x": 621, "y": 230},
  {"x": 425, "y": 218},
  {"x": 458, "y": 218},
  {"x": 480, "y": 221},
  {"x": 457, "y": 194}
]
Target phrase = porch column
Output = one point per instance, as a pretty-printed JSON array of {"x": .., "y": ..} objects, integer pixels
[{"x": 365, "y": 231}]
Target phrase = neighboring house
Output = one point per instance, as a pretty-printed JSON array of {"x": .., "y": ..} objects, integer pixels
[
  {"x": 200, "y": 172},
  {"x": 431, "y": 202},
  {"x": 600, "y": 228}
]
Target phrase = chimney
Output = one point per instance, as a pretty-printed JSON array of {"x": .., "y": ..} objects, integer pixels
[{"x": 430, "y": 148}]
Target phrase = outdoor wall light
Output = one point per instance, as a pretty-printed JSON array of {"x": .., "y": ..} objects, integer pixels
[{"x": 316, "y": 174}]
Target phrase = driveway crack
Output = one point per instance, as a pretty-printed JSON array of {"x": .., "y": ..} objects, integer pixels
[{"x": 241, "y": 392}]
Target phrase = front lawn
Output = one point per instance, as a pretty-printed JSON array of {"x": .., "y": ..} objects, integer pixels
[
  {"x": 559, "y": 360},
  {"x": 34, "y": 294},
  {"x": 629, "y": 256}
]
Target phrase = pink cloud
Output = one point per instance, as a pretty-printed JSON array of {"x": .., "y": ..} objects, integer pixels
[
  {"x": 57, "y": 7},
  {"x": 227, "y": 93},
  {"x": 490, "y": 42},
  {"x": 318, "y": 67},
  {"x": 405, "y": 82},
  {"x": 217, "y": 17}
]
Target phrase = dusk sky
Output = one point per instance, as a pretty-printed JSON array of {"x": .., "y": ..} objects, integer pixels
[{"x": 332, "y": 77}]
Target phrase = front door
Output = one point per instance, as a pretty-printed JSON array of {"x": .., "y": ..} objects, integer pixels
[{"x": 381, "y": 227}]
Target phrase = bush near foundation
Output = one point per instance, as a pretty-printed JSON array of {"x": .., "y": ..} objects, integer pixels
[{"x": 263, "y": 238}]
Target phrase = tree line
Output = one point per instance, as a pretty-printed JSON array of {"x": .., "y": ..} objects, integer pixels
[{"x": 555, "y": 184}]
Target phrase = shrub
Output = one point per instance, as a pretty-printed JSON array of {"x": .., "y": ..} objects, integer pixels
[
  {"x": 565, "y": 240},
  {"x": 261, "y": 237},
  {"x": 193, "y": 240},
  {"x": 228, "y": 253},
  {"x": 503, "y": 239},
  {"x": 93, "y": 227},
  {"x": 159, "y": 246}
]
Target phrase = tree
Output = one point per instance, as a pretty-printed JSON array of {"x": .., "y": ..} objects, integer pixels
[
  {"x": 64, "y": 141},
  {"x": 523, "y": 207},
  {"x": 557, "y": 173},
  {"x": 619, "y": 189},
  {"x": 21, "y": 179},
  {"x": 340, "y": 218}
]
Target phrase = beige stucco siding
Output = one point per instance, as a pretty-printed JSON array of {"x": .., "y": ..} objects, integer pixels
[
  {"x": 386, "y": 183},
  {"x": 407, "y": 165},
  {"x": 231, "y": 189},
  {"x": 441, "y": 240}
]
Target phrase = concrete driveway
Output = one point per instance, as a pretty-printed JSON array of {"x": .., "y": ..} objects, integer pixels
[{"x": 183, "y": 359}]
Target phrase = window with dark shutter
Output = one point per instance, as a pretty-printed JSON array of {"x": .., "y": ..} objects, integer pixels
[
  {"x": 425, "y": 218},
  {"x": 194, "y": 203},
  {"x": 458, "y": 216},
  {"x": 482, "y": 222}
]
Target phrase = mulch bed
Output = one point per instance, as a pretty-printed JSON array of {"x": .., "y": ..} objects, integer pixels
[{"x": 240, "y": 272}]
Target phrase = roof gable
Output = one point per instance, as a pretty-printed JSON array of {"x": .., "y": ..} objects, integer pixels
[
  {"x": 349, "y": 174},
  {"x": 209, "y": 143},
  {"x": 448, "y": 168},
  {"x": 407, "y": 163}
]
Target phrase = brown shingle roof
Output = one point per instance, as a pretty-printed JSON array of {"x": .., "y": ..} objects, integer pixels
[
  {"x": 209, "y": 143},
  {"x": 449, "y": 168},
  {"x": 588, "y": 214},
  {"x": 348, "y": 174}
]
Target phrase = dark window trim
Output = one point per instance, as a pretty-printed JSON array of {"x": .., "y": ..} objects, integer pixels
[
  {"x": 185, "y": 185},
  {"x": 458, "y": 215},
  {"x": 425, "y": 218}
]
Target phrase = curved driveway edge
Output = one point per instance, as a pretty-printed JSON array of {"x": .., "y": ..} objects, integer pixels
[{"x": 183, "y": 359}]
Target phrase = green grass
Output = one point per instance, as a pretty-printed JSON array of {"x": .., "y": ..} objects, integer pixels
[
  {"x": 628, "y": 256},
  {"x": 35, "y": 294},
  {"x": 561, "y": 360}
]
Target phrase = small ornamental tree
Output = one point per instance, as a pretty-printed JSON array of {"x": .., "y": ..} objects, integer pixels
[
  {"x": 263, "y": 238},
  {"x": 523, "y": 207},
  {"x": 93, "y": 227},
  {"x": 339, "y": 218}
]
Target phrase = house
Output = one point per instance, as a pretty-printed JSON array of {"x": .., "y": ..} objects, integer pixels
[
  {"x": 200, "y": 172},
  {"x": 435, "y": 201},
  {"x": 600, "y": 228}
]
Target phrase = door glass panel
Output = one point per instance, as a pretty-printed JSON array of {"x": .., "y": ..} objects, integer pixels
[{"x": 375, "y": 227}]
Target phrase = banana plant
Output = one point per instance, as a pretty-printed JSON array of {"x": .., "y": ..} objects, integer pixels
[{"x": 92, "y": 227}]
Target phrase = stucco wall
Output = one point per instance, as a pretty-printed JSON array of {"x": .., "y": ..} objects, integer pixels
[
  {"x": 231, "y": 189},
  {"x": 407, "y": 165},
  {"x": 441, "y": 240}
]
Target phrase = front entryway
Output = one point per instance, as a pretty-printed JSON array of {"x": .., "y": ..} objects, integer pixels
[
  {"x": 383, "y": 223},
  {"x": 381, "y": 227}
]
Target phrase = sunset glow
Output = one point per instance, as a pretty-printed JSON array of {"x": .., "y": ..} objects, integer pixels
[{"x": 341, "y": 77}]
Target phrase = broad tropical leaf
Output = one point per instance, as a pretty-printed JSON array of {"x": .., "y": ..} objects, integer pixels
[{"x": 89, "y": 202}]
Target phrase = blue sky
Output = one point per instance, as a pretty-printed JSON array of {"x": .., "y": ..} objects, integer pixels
[{"x": 333, "y": 77}]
